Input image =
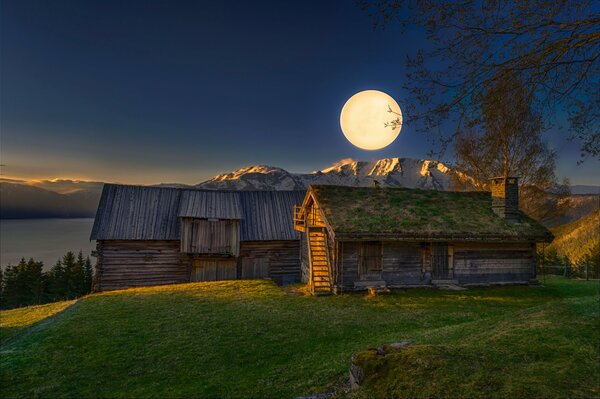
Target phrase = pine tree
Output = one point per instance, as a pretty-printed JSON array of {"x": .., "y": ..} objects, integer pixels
[
  {"x": 68, "y": 283},
  {"x": 22, "y": 284},
  {"x": 9, "y": 291},
  {"x": 78, "y": 276},
  {"x": 1, "y": 288},
  {"x": 88, "y": 275},
  {"x": 56, "y": 283}
]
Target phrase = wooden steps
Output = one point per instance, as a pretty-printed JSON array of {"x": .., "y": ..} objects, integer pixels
[{"x": 320, "y": 267}]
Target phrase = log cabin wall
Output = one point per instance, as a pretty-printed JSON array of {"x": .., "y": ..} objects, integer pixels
[
  {"x": 494, "y": 263},
  {"x": 348, "y": 265},
  {"x": 406, "y": 264},
  {"x": 278, "y": 260},
  {"x": 403, "y": 265},
  {"x": 304, "y": 261},
  {"x": 138, "y": 263}
]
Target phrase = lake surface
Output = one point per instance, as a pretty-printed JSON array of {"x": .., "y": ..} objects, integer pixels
[{"x": 44, "y": 240}]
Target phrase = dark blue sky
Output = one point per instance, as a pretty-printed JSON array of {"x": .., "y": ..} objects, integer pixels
[{"x": 148, "y": 92}]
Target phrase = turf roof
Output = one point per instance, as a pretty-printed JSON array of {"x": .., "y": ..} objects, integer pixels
[{"x": 359, "y": 212}]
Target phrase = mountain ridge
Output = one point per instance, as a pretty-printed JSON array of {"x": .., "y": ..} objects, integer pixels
[{"x": 64, "y": 198}]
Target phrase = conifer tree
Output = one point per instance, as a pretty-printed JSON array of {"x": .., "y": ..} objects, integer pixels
[
  {"x": 68, "y": 283},
  {"x": 78, "y": 276},
  {"x": 1, "y": 287},
  {"x": 88, "y": 275},
  {"x": 56, "y": 285}
]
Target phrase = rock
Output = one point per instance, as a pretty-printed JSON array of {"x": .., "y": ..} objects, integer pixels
[
  {"x": 356, "y": 375},
  {"x": 401, "y": 344}
]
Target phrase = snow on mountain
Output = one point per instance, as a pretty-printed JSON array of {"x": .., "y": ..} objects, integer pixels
[
  {"x": 389, "y": 172},
  {"x": 260, "y": 177}
]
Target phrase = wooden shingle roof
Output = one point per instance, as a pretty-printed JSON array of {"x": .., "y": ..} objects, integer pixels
[
  {"x": 359, "y": 213},
  {"x": 137, "y": 213},
  {"x": 269, "y": 215},
  {"x": 210, "y": 204},
  {"x": 153, "y": 213}
]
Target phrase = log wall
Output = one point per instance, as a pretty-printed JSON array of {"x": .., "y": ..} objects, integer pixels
[
  {"x": 304, "y": 261},
  {"x": 128, "y": 263},
  {"x": 494, "y": 263},
  {"x": 406, "y": 264},
  {"x": 280, "y": 258}
]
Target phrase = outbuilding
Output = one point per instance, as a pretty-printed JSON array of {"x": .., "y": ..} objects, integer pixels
[{"x": 164, "y": 235}]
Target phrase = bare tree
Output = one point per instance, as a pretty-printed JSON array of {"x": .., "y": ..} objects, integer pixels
[
  {"x": 507, "y": 141},
  {"x": 551, "y": 46}
]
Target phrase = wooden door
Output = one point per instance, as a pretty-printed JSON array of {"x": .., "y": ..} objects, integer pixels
[
  {"x": 439, "y": 261},
  {"x": 370, "y": 260},
  {"x": 214, "y": 269},
  {"x": 255, "y": 268}
]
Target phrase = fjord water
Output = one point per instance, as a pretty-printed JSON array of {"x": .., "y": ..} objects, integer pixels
[{"x": 44, "y": 240}]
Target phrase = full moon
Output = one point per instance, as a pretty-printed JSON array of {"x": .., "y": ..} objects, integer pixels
[{"x": 364, "y": 117}]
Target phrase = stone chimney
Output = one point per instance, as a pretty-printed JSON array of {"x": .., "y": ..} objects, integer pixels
[{"x": 505, "y": 198}]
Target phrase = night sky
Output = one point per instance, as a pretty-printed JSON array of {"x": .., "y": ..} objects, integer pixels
[{"x": 148, "y": 92}]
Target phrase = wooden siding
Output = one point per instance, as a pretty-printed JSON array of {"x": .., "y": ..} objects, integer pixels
[
  {"x": 304, "y": 261},
  {"x": 406, "y": 264},
  {"x": 207, "y": 269},
  {"x": 124, "y": 264},
  {"x": 283, "y": 258},
  {"x": 219, "y": 237},
  {"x": 494, "y": 263},
  {"x": 402, "y": 264}
]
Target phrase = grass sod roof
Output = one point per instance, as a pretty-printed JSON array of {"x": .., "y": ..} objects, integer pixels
[{"x": 359, "y": 212}]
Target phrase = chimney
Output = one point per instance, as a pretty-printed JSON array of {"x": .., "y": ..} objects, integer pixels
[{"x": 505, "y": 198}]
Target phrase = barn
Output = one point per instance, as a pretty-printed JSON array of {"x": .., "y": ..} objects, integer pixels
[
  {"x": 162, "y": 235},
  {"x": 358, "y": 238}
]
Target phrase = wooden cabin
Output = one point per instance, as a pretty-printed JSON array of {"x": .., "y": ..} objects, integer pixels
[
  {"x": 358, "y": 238},
  {"x": 159, "y": 235}
]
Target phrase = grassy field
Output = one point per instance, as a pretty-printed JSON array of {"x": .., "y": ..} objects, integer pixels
[{"x": 252, "y": 339}]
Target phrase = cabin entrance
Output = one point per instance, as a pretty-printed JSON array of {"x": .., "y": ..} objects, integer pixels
[
  {"x": 439, "y": 261},
  {"x": 370, "y": 260}
]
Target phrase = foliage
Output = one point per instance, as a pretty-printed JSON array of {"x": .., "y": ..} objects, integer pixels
[
  {"x": 551, "y": 47},
  {"x": 251, "y": 339},
  {"x": 26, "y": 284}
]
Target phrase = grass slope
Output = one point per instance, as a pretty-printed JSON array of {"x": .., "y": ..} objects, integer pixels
[
  {"x": 251, "y": 339},
  {"x": 578, "y": 238}
]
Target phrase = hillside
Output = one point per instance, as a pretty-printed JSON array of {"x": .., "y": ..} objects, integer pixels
[
  {"x": 578, "y": 239},
  {"x": 241, "y": 339},
  {"x": 22, "y": 201}
]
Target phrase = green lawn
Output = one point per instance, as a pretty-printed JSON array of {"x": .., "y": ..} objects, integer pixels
[{"x": 252, "y": 339}]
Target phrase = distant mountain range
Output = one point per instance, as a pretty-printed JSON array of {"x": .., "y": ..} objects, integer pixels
[
  {"x": 72, "y": 198},
  {"x": 25, "y": 201},
  {"x": 391, "y": 172}
]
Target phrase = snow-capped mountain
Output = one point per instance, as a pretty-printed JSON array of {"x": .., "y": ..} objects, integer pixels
[
  {"x": 390, "y": 172},
  {"x": 258, "y": 177}
]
